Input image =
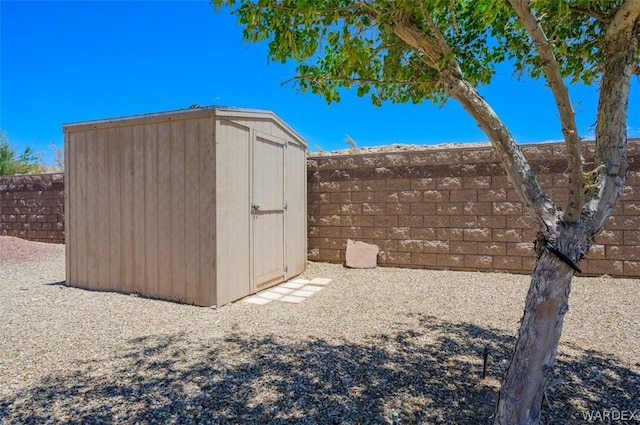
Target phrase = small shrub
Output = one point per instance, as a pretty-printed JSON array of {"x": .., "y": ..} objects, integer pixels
[{"x": 11, "y": 163}]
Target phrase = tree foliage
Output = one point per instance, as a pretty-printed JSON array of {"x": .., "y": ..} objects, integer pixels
[
  {"x": 12, "y": 163},
  {"x": 344, "y": 43},
  {"x": 411, "y": 51}
]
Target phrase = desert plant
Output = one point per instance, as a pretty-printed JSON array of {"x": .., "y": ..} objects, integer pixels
[
  {"x": 11, "y": 163},
  {"x": 58, "y": 157},
  {"x": 352, "y": 143}
]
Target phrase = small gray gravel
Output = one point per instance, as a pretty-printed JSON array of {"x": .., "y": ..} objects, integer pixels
[{"x": 374, "y": 344}]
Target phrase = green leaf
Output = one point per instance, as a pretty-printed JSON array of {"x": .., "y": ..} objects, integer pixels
[{"x": 353, "y": 44}]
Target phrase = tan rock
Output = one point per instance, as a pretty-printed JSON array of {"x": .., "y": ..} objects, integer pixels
[{"x": 361, "y": 255}]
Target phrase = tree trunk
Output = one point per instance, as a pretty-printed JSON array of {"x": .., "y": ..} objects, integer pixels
[{"x": 531, "y": 366}]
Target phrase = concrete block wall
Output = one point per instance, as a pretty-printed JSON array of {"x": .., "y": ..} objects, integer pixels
[
  {"x": 32, "y": 207},
  {"x": 454, "y": 208},
  {"x": 448, "y": 208}
]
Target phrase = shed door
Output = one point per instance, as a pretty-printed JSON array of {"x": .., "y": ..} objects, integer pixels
[{"x": 268, "y": 210}]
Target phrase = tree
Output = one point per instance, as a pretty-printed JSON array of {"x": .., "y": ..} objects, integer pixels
[
  {"x": 403, "y": 51},
  {"x": 11, "y": 163}
]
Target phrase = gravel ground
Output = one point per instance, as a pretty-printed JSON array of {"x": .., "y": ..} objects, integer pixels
[
  {"x": 16, "y": 250},
  {"x": 374, "y": 344}
]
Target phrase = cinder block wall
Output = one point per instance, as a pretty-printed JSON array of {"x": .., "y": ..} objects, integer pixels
[
  {"x": 32, "y": 207},
  {"x": 440, "y": 209},
  {"x": 454, "y": 209}
]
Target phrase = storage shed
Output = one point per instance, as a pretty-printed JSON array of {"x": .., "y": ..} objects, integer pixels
[{"x": 202, "y": 206}]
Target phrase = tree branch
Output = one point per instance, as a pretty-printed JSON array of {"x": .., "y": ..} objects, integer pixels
[
  {"x": 553, "y": 74},
  {"x": 538, "y": 205},
  {"x": 624, "y": 21},
  {"x": 356, "y": 80},
  {"x": 442, "y": 42},
  {"x": 349, "y": 8},
  {"x": 620, "y": 52},
  {"x": 592, "y": 13}
]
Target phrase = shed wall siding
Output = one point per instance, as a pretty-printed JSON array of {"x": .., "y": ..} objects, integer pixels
[
  {"x": 160, "y": 204},
  {"x": 141, "y": 220},
  {"x": 101, "y": 240},
  {"x": 294, "y": 187},
  {"x": 296, "y": 192},
  {"x": 206, "y": 207},
  {"x": 234, "y": 265},
  {"x": 270, "y": 127}
]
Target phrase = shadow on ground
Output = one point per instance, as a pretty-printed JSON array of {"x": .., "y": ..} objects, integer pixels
[{"x": 428, "y": 375}]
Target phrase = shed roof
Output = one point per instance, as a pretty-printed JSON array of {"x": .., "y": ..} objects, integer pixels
[{"x": 192, "y": 112}]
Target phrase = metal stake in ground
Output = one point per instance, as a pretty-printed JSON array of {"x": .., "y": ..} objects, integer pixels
[{"x": 485, "y": 356}]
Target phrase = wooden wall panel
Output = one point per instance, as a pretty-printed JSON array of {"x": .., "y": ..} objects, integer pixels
[
  {"x": 92, "y": 212},
  {"x": 178, "y": 225},
  {"x": 165, "y": 188},
  {"x": 269, "y": 126},
  {"x": 81, "y": 211},
  {"x": 151, "y": 209},
  {"x": 100, "y": 145},
  {"x": 74, "y": 208},
  {"x": 232, "y": 212},
  {"x": 126, "y": 283},
  {"x": 138, "y": 205},
  {"x": 192, "y": 200},
  {"x": 67, "y": 208},
  {"x": 296, "y": 197},
  {"x": 206, "y": 211},
  {"x": 115, "y": 198}
]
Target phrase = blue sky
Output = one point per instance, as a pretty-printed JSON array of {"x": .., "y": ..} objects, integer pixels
[{"x": 63, "y": 62}]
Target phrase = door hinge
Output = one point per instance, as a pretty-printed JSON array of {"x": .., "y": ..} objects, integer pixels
[
  {"x": 255, "y": 207},
  {"x": 285, "y": 207},
  {"x": 286, "y": 269},
  {"x": 286, "y": 144}
]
